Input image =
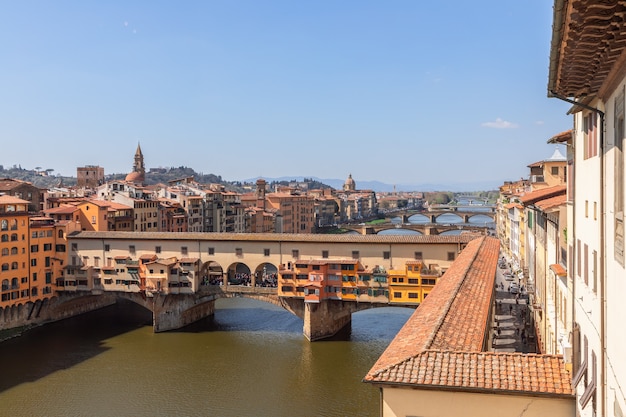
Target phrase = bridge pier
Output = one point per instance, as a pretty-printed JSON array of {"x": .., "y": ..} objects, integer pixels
[
  {"x": 175, "y": 311},
  {"x": 326, "y": 318}
]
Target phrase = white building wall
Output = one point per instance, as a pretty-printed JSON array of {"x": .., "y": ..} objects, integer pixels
[
  {"x": 587, "y": 234},
  {"x": 614, "y": 364}
]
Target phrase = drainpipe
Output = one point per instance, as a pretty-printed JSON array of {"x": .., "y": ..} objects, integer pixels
[{"x": 602, "y": 245}]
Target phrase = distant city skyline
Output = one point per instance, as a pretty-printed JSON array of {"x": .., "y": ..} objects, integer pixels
[{"x": 401, "y": 92}]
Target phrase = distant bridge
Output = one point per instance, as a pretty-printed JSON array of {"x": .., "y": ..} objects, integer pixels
[{"x": 424, "y": 228}]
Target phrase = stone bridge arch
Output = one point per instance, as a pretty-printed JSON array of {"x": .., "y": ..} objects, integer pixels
[
  {"x": 384, "y": 228},
  {"x": 435, "y": 216}
]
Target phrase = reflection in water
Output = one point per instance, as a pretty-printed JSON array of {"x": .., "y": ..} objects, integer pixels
[{"x": 249, "y": 359}]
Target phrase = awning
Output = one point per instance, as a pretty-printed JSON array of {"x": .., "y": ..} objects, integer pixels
[{"x": 558, "y": 270}]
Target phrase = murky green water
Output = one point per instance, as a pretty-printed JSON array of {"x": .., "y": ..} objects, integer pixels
[{"x": 251, "y": 359}]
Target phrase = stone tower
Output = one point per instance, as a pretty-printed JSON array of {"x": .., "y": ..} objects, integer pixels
[{"x": 139, "y": 170}]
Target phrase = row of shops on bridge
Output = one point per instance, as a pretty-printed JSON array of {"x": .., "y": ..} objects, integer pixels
[{"x": 311, "y": 280}]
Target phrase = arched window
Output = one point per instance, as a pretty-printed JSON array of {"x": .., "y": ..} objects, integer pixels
[
  {"x": 5, "y": 284},
  {"x": 5, "y": 267},
  {"x": 14, "y": 224},
  {"x": 4, "y": 225},
  {"x": 14, "y": 265},
  {"x": 61, "y": 234},
  {"x": 15, "y": 283},
  {"x": 5, "y": 237},
  {"x": 33, "y": 291},
  {"x": 14, "y": 237},
  {"x": 5, "y": 251},
  {"x": 13, "y": 250}
]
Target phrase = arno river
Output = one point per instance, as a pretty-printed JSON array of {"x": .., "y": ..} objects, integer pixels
[{"x": 250, "y": 359}]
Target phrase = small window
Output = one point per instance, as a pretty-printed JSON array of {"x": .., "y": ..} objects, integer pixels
[
  {"x": 386, "y": 254},
  {"x": 397, "y": 294},
  {"x": 355, "y": 254},
  {"x": 413, "y": 295},
  {"x": 295, "y": 253},
  {"x": 239, "y": 251},
  {"x": 325, "y": 254},
  {"x": 554, "y": 170},
  {"x": 183, "y": 250},
  {"x": 266, "y": 252},
  {"x": 211, "y": 251},
  {"x": 74, "y": 246},
  {"x": 451, "y": 256},
  {"x": 107, "y": 247},
  {"x": 157, "y": 249}
]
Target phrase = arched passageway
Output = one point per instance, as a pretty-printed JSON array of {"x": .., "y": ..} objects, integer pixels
[
  {"x": 211, "y": 273},
  {"x": 239, "y": 274},
  {"x": 266, "y": 275}
]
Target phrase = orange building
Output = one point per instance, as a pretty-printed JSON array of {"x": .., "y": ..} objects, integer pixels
[
  {"x": 412, "y": 284},
  {"x": 320, "y": 279},
  {"x": 14, "y": 251},
  {"x": 48, "y": 254}
]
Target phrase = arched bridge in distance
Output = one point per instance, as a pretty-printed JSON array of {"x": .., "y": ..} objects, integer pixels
[
  {"x": 465, "y": 213},
  {"x": 424, "y": 228}
]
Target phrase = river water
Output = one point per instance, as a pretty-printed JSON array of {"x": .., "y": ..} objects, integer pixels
[{"x": 250, "y": 359}]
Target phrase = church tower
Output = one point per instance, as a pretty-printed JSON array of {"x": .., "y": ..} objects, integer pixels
[
  {"x": 139, "y": 170},
  {"x": 260, "y": 193}
]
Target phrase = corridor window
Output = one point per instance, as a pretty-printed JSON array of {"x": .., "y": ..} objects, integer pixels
[
  {"x": 295, "y": 253},
  {"x": 355, "y": 254},
  {"x": 451, "y": 256},
  {"x": 266, "y": 252},
  {"x": 239, "y": 251}
]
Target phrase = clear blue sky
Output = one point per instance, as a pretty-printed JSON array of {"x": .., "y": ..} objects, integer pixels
[{"x": 403, "y": 92}]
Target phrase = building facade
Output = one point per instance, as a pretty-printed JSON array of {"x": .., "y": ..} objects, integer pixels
[{"x": 586, "y": 32}]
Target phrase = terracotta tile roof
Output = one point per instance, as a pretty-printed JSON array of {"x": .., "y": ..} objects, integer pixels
[
  {"x": 64, "y": 209},
  {"x": 513, "y": 205},
  {"x": 422, "y": 330},
  {"x": 278, "y": 237},
  {"x": 542, "y": 194},
  {"x": 441, "y": 345},
  {"x": 562, "y": 137},
  {"x": 550, "y": 203},
  {"x": 482, "y": 371},
  {"x": 9, "y": 199},
  {"x": 586, "y": 29},
  {"x": 188, "y": 260}
]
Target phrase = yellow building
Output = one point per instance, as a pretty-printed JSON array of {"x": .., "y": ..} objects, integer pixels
[
  {"x": 412, "y": 284},
  {"x": 14, "y": 251}
]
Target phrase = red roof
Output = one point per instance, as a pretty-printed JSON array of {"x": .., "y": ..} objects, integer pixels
[
  {"x": 552, "y": 202},
  {"x": 441, "y": 345},
  {"x": 542, "y": 194}
]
